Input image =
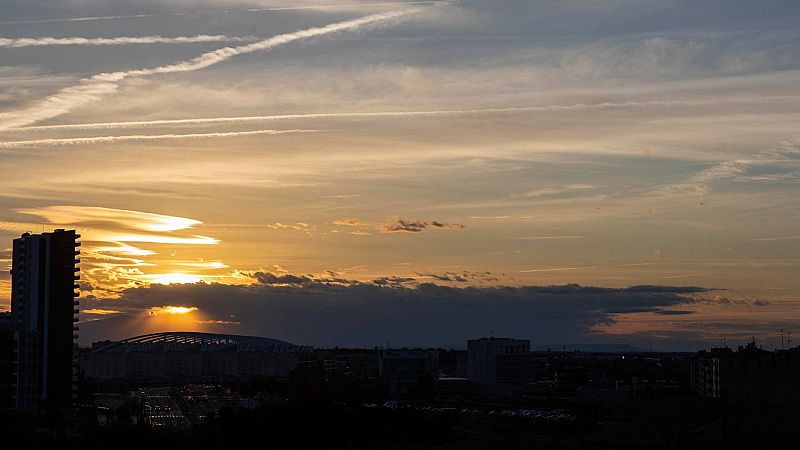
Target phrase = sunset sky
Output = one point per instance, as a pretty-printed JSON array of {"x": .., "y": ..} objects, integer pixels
[{"x": 345, "y": 172}]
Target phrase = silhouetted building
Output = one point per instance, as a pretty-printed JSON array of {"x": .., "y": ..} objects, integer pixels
[
  {"x": 453, "y": 363},
  {"x": 190, "y": 357},
  {"x": 359, "y": 363},
  {"x": 410, "y": 372},
  {"x": 8, "y": 363},
  {"x": 44, "y": 312},
  {"x": 748, "y": 376},
  {"x": 569, "y": 379},
  {"x": 450, "y": 387},
  {"x": 705, "y": 372},
  {"x": 608, "y": 394},
  {"x": 498, "y": 365},
  {"x": 408, "y": 365}
]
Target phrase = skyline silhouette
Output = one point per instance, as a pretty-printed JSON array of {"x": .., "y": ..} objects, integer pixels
[{"x": 460, "y": 164}]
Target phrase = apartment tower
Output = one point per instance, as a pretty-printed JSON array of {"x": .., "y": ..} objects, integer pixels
[{"x": 44, "y": 314}]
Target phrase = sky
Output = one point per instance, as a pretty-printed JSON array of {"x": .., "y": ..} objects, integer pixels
[{"x": 345, "y": 172}]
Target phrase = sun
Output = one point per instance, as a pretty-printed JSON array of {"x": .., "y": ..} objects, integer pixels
[{"x": 171, "y": 310}]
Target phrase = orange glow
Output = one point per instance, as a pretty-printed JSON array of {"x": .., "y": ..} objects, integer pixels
[
  {"x": 172, "y": 278},
  {"x": 172, "y": 310},
  {"x": 170, "y": 317},
  {"x": 100, "y": 312}
]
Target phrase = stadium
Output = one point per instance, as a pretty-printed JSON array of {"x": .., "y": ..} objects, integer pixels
[{"x": 190, "y": 357}]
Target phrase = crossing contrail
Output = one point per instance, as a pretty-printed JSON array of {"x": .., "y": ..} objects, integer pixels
[
  {"x": 122, "y": 40},
  {"x": 379, "y": 114},
  {"x": 140, "y": 137},
  {"x": 93, "y": 88},
  {"x": 352, "y": 5}
]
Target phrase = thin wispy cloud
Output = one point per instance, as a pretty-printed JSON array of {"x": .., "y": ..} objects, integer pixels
[
  {"x": 351, "y": 222},
  {"x": 779, "y": 238},
  {"x": 547, "y": 238},
  {"x": 93, "y": 88},
  {"x": 139, "y": 220},
  {"x": 111, "y": 255},
  {"x": 561, "y": 269},
  {"x": 558, "y": 190},
  {"x": 700, "y": 183},
  {"x": 117, "y": 226},
  {"x": 141, "y": 137},
  {"x": 393, "y": 114},
  {"x": 121, "y": 40}
]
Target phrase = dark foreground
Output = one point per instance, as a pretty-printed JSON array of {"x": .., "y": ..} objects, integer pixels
[{"x": 651, "y": 422}]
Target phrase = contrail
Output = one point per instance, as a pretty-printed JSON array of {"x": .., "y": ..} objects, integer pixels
[
  {"x": 560, "y": 269},
  {"x": 353, "y": 5},
  {"x": 379, "y": 114},
  {"x": 122, "y": 40},
  {"x": 143, "y": 137},
  {"x": 94, "y": 87},
  {"x": 75, "y": 19}
]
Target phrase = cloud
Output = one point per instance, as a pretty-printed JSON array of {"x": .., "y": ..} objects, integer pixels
[
  {"x": 673, "y": 312},
  {"x": 779, "y": 238},
  {"x": 417, "y": 226},
  {"x": 99, "y": 312},
  {"x": 558, "y": 190},
  {"x": 280, "y": 277},
  {"x": 138, "y": 220},
  {"x": 295, "y": 308},
  {"x": 461, "y": 277},
  {"x": 562, "y": 269},
  {"x": 142, "y": 137},
  {"x": 449, "y": 277},
  {"x": 566, "y": 108},
  {"x": 700, "y": 183},
  {"x": 545, "y": 238},
  {"x": 351, "y": 222},
  {"x": 726, "y": 300},
  {"x": 97, "y": 86},
  {"x": 398, "y": 225},
  {"x": 109, "y": 262},
  {"x": 271, "y": 278},
  {"x": 120, "y": 40},
  {"x": 394, "y": 281},
  {"x": 299, "y": 226},
  {"x": 202, "y": 264}
]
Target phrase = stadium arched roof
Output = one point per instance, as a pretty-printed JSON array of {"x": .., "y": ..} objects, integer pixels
[{"x": 187, "y": 341}]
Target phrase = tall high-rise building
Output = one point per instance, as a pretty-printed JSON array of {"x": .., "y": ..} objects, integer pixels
[
  {"x": 8, "y": 363},
  {"x": 44, "y": 312}
]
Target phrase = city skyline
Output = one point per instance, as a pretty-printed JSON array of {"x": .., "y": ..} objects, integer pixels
[{"x": 253, "y": 167}]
